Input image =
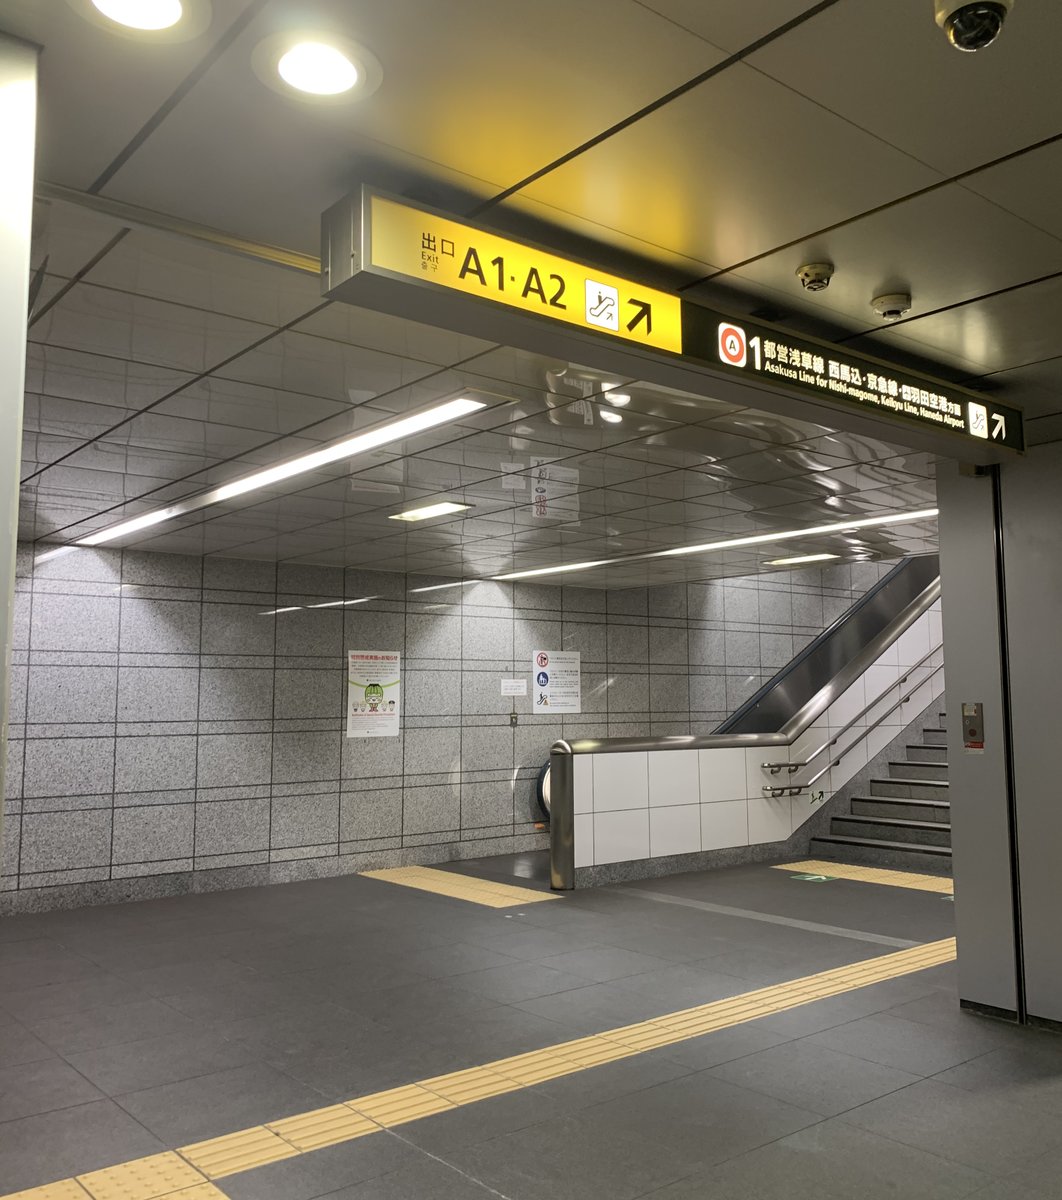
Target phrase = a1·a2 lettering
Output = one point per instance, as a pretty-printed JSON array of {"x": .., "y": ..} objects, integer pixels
[{"x": 532, "y": 285}]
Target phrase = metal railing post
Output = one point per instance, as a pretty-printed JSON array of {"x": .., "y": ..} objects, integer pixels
[{"x": 561, "y": 817}]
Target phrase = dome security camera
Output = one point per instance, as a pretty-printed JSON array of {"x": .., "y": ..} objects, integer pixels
[{"x": 973, "y": 25}]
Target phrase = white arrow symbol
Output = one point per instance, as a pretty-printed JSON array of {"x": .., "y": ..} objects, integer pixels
[{"x": 999, "y": 426}]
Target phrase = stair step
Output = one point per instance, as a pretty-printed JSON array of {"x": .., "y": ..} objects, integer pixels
[
  {"x": 918, "y": 770},
  {"x": 910, "y": 789},
  {"x": 923, "y": 753},
  {"x": 921, "y": 833},
  {"x": 883, "y": 852},
  {"x": 911, "y": 810},
  {"x": 935, "y": 737}
]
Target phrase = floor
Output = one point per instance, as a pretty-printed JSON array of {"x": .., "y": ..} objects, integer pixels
[{"x": 131, "y": 1030}]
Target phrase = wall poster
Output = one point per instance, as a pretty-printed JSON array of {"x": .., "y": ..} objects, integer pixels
[
  {"x": 557, "y": 683},
  {"x": 373, "y": 693}
]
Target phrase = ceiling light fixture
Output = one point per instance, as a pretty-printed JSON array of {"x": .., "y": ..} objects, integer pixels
[
  {"x": 438, "y": 587},
  {"x": 142, "y": 14},
  {"x": 802, "y": 558},
  {"x": 273, "y": 611},
  {"x": 583, "y": 566},
  {"x": 733, "y": 543},
  {"x": 317, "y": 68},
  {"x": 339, "y": 603},
  {"x": 760, "y": 539},
  {"x": 613, "y": 418},
  {"x": 370, "y": 439},
  {"x": 617, "y": 399},
  {"x": 430, "y": 510}
]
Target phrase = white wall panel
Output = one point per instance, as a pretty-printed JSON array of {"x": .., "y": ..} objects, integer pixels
[
  {"x": 675, "y": 830},
  {"x": 673, "y": 777},
  {"x": 724, "y": 824},
  {"x": 621, "y": 781},
  {"x": 723, "y": 775},
  {"x": 621, "y": 836}
]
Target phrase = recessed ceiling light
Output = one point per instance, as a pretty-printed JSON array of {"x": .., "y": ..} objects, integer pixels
[
  {"x": 341, "y": 603},
  {"x": 609, "y": 416},
  {"x": 142, "y": 14},
  {"x": 370, "y": 439},
  {"x": 618, "y": 399},
  {"x": 273, "y": 611},
  {"x": 147, "y": 20},
  {"x": 317, "y": 68},
  {"x": 803, "y": 558},
  {"x": 429, "y": 510}
]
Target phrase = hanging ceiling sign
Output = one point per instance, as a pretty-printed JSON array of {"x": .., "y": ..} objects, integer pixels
[
  {"x": 772, "y": 355},
  {"x": 421, "y": 245}
]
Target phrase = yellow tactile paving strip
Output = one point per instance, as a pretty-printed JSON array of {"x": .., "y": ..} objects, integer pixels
[
  {"x": 461, "y": 887},
  {"x": 168, "y": 1175},
  {"x": 902, "y": 879}
]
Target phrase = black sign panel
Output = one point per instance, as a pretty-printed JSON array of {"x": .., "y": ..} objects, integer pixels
[{"x": 771, "y": 355}]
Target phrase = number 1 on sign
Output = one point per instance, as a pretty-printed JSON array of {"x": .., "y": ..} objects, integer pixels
[{"x": 754, "y": 346}]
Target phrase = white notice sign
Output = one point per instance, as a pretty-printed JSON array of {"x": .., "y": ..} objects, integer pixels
[
  {"x": 557, "y": 682},
  {"x": 373, "y": 693},
  {"x": 514, "y": 687}
]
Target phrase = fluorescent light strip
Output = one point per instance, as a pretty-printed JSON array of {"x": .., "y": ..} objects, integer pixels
[
  {"x": 370, "y": 439},
  {"x": 338, "y": 603},
  {"x": 803, "y": 558},
  {"x": 755, "y": 540},
  {"x": 430, "y": 510},
  {"x": 273, "y": 611},
  {"x": 438, "y": 587},
  {"x": 583, "y": 566},
  {"x": 761, "y": 539}
]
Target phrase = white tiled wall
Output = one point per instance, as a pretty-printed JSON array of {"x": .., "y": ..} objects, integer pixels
[{"x": 647, "y": 805}]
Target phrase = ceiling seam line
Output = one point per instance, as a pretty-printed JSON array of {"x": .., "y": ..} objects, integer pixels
[
  {"x": 232, "y": 458},
  {"x": 176, "y": 391},
  {"x": 1014, "y": 287},
  {"x": 661, "y": 101},
  {"x": 78, "y": 276},
  {"x": 880, "y": 208},
  {"x": 177, "y": 95}
]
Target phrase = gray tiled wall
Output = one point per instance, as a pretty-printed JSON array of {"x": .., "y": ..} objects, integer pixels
[{"x": 162, "y": 725}]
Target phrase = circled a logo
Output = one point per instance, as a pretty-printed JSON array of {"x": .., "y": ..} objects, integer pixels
[{"x": 733, "y": 348}]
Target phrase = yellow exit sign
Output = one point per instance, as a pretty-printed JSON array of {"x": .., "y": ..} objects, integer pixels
[{"x": 420, "y": 245}]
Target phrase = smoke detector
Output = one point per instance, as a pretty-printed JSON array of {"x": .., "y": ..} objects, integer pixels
[
  {"x": 815, "y": 277},
  {"x": 893, "y": 306}
]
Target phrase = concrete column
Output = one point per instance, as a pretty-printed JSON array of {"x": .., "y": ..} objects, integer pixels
[{"x": 18, "y": 126}]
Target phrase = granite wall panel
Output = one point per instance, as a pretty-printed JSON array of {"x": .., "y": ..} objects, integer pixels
[{"x": 166, "y": 719}]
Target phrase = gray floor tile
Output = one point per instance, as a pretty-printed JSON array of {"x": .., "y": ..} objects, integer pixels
[
  {"x": 323, "y": 1172},
  {"x": 604, "y": 963},
  {"x": 423, "y": 1180},
  {"x": 18, "y": 1045},
  {"x": 683, "y": 985},
  {"x": 1029, "y": 1077},
  {"x": 906, "y": 1045},
  {"x": 830, "y": 1160},
  {"x": 73, "y": 995},
  {"x": 593, "y": 1008},
  {"x": 40, "y": 1149},
  {"x": 231, "y": 1002},
  {"x": 518, "y": 981},
  {"x": 111, "y": 1025},
  {"x": 570, "y": 1159},
  {"x": 134, "y": 1066},
  {"x": 701, "y": 1119},
  {"x": 175, "y": 977},
  {"x": 209, "y": 1105},
  {"x": 457, "y": 960},
  {"x": 807, "y": 1019},
  {"x": 977, "y": 1130},
  {"x": 1043, "y": 1175},
  {"x": 585, "y": 1089},
  {"x": 40, "y": 1087},
  {"x": 813, "y": 1077}
]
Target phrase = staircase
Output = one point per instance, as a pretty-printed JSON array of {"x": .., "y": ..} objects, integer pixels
[{"x": 905, "y": 821}]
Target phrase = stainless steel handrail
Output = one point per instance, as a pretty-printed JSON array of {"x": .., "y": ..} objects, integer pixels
[
  {"x": 793, "y": 767},
  {"x": 794, "y": 789}
]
